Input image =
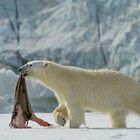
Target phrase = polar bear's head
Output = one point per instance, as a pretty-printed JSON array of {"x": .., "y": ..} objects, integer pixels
[{"x": 34, "y": 69}]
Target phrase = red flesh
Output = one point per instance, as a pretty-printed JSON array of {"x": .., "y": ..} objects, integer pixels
[
  {"x": 19, "y": 120},
  {"x": 39, "y": 121}
]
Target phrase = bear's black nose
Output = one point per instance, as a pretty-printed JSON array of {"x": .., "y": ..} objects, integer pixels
[{"x": 20, "y": 69}]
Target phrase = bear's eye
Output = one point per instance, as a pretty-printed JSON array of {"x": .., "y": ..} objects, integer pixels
[
  {"x": 45, "y": 65},
  {"x": 30, "y": 65}
]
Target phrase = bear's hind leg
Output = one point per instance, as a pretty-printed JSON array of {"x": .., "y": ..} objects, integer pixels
[
  {"x": 118, "y": 119},
  {"x": 135, "y": 106}
]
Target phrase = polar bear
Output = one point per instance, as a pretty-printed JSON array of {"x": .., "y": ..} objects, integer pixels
[{"x": 78, "y": 90}]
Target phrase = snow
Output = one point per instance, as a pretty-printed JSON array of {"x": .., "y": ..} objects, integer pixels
[{"x": 98, "y": 129}]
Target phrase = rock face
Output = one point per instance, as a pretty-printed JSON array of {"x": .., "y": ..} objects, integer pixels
[{"x": 91, "y": 34}]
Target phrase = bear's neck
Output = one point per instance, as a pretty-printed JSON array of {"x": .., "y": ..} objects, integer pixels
[{"x": 55, "y": 77}]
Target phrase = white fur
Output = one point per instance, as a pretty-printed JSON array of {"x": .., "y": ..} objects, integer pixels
[{"x": 78, "y": 90}]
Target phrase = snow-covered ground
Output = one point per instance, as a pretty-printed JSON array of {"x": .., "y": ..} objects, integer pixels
[
  {"x": 98, "y": 129},
  {"x": 84, "y": 33}
]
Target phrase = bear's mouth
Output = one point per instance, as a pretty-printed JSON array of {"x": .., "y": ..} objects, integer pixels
[
  {"x": 23, "y": 71},
  {"x": 25, "y": 74}
]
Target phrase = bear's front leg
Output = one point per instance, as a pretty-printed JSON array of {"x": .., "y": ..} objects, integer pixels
[
  {"x": 60, "y": 115},
  {"x": 76, "y": 116}
]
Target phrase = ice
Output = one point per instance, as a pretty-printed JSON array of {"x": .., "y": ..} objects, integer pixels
[
  {"x": 88, "y": 34},
  {"x": 67, "y": 32},
  {"x": 98, "y": 128}
]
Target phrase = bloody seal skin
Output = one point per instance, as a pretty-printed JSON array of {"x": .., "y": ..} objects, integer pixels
[{"x": 22, "y": 111}]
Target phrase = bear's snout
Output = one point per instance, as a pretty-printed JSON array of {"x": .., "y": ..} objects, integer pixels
[
  {"x": 23, "y": 71},
  {"x": 20, "y": 69}
]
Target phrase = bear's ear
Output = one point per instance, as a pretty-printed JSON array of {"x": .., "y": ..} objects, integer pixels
[{"x": 45, "y": 64}]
